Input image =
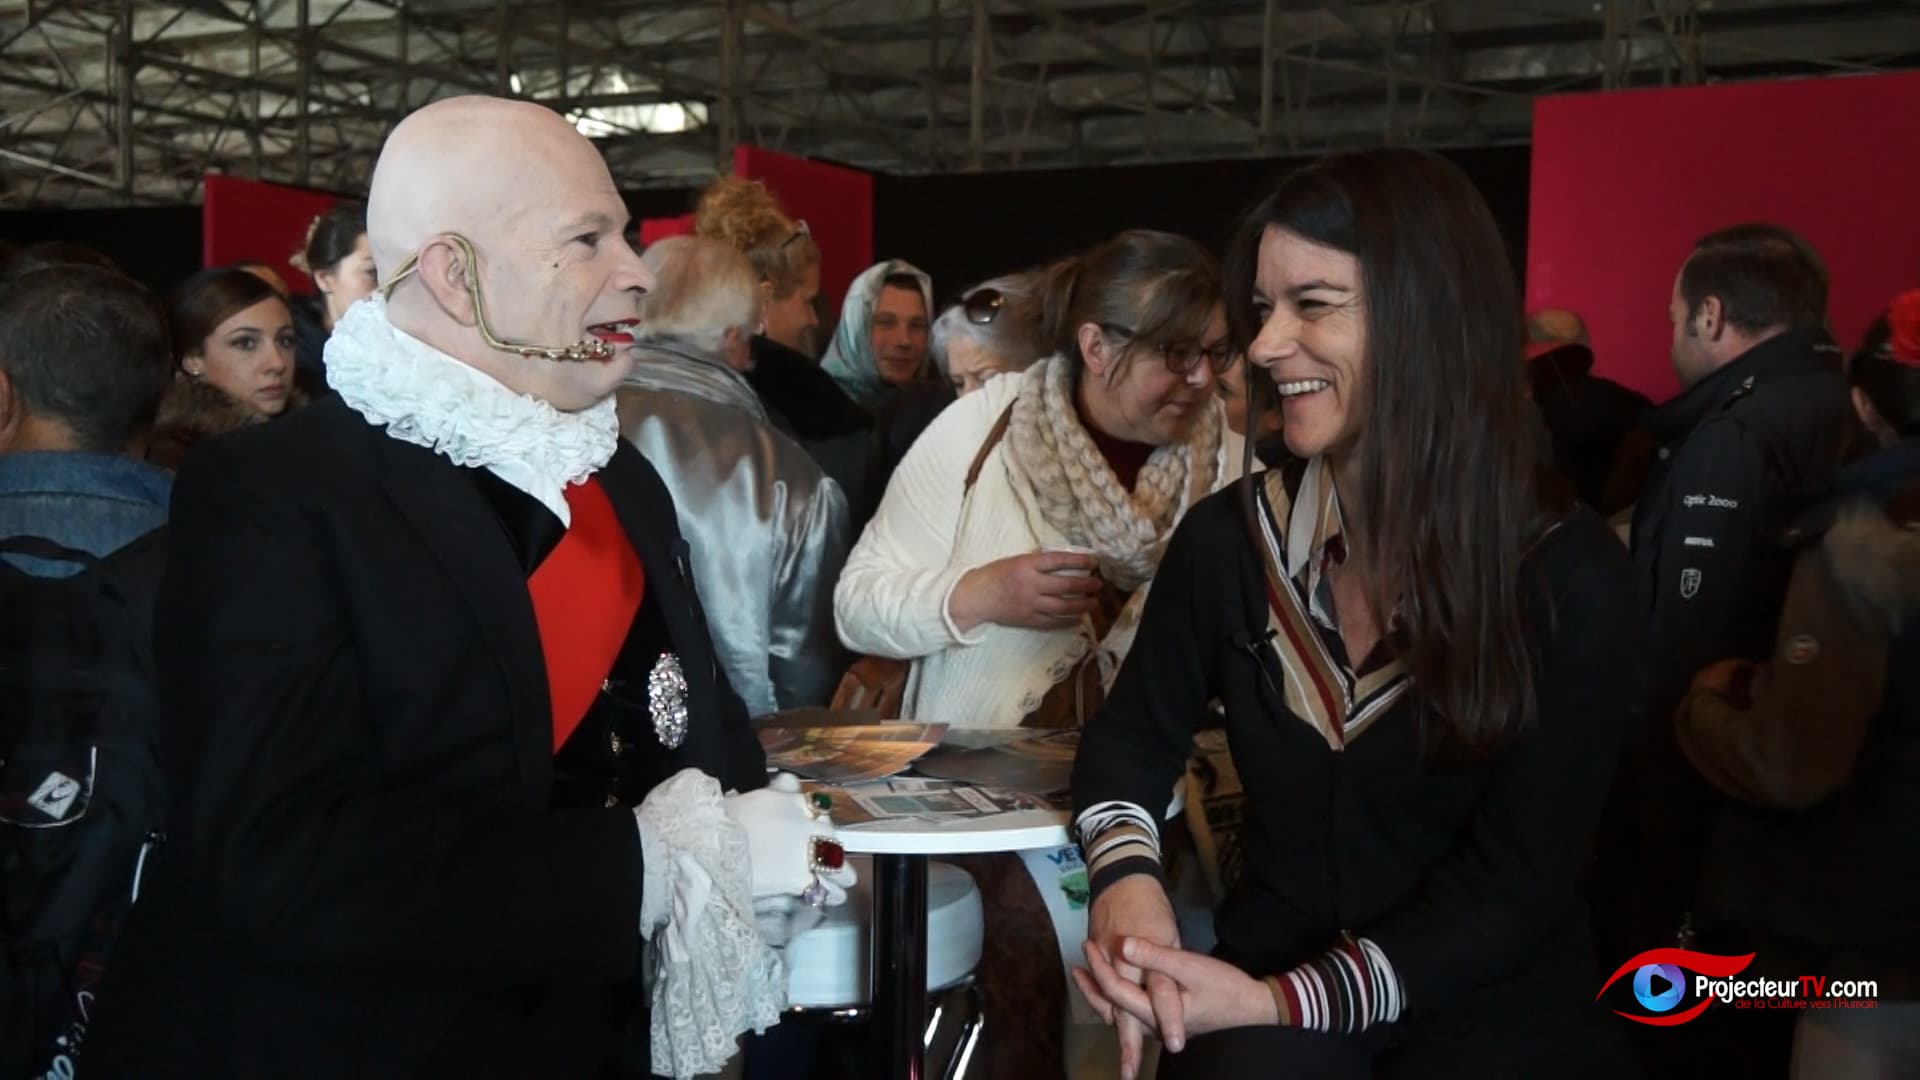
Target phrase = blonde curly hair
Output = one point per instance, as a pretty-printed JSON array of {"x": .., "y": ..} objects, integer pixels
[{"x": 744, "y": 215}]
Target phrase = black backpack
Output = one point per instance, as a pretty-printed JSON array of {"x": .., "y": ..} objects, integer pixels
[{"x": 81, "y": 792}]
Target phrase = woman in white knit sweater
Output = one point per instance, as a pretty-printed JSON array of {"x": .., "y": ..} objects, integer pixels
[
  {"x": 977, "y": 565},
  {"x": 1012, "y": 552}
]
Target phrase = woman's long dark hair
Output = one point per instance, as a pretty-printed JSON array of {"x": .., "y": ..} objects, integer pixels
[
  {"x": 1447, "y": 460},
  {"x": 331, "y": 237}
]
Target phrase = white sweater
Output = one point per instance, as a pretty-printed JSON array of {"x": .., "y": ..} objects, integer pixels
[{"x": 928, "y": 533}]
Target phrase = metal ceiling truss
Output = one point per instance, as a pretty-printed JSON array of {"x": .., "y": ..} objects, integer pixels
[{"x": 113, "y": 102}]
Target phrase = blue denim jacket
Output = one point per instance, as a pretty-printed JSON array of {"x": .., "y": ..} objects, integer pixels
[{"x": 95, "y": 503}]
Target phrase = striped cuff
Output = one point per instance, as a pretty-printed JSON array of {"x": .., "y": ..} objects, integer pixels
[
  {"x": 1117, "y": 839},
  {"x": 1344, "y": 991}
]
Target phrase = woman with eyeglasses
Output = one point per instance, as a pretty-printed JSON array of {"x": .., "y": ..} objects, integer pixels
[
  {"x": 1420, "y": 647},
  {"x": 1014, "y": 548}
]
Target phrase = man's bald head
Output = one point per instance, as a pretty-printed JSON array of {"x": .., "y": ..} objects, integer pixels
[
  {"x": 476, "y": 166},
  {"x": 1556, "y": 326},
  {"x": 545, "y": 263}
]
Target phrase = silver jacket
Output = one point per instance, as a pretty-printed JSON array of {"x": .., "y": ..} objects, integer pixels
[{"x": 768, "y": 531}]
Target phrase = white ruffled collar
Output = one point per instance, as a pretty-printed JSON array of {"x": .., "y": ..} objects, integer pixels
[{"x": 427, "y": 398}]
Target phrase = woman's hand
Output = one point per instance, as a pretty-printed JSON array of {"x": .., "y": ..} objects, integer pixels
[
  {"x": 1041, "y": 590},
  {"x": 1135, "y": 907},
  {"x": 1214, "y": 995}
]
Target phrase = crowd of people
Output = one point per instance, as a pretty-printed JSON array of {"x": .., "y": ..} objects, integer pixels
[{"x": 432, "y": 614}]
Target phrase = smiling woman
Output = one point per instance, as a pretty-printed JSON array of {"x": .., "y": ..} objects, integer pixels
[
  {"x": 1418, "y": 648},
  {"x": 233, "y": 339}
]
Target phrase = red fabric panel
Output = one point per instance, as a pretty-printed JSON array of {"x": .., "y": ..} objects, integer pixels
[
  {"x": 653, "y": 230},
  {"x": 585, "y": 594},
  {"x": 1624, "y": 183},
  {"x": 835, "y": 202},
  {"x": 245, "y": 219}
]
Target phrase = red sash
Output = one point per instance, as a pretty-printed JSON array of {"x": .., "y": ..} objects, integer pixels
[{"x": 585, "y": 596}]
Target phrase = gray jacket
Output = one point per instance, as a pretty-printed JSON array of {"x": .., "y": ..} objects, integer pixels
[{"x": 768, "y": 531}]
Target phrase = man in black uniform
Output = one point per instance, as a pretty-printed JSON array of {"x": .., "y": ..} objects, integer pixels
[
  {"x": 447, "y": 738},
  {"x": 1759, "y": 430}
]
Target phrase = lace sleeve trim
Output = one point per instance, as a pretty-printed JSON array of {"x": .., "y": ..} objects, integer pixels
[{"x": 709, "y": 974}]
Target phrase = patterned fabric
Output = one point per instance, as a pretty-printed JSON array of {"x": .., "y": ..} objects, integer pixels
[
  {"x": 1319, "y": 689},
  {"x": 1117, "y": 839},
  {"x": 1076, "y": 490},
  {"x": 1344, "y": 991},
  {"x": 710, "y": 975},
  {"x": 1216, "y": 812}
]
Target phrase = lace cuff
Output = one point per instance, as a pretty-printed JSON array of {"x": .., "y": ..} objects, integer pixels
[{"x": 709, "y": 974}]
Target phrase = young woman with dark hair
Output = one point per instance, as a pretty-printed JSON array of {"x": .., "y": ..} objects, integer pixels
[
  {"x": 340, "y": 262},
  {"x": 233, "y": 340},
  {"x": 1419, "y": 646}
]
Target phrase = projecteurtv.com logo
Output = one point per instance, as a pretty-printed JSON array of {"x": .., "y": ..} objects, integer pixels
[{"x": 1661, "y": 983}]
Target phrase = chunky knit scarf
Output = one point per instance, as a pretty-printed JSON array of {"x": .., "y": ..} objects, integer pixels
[{"x": 1076, "y": 491}]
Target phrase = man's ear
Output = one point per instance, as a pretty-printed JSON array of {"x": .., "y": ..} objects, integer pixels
[
  {"x": 1711, "y": 318},
  {"x": 446, "y": 271},
  {"x": 13, "y": 413},
  {"x": 1094, "y": 350}
]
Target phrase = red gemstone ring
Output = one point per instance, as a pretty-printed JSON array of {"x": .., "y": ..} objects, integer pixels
[{"x": 825, "y": 855}]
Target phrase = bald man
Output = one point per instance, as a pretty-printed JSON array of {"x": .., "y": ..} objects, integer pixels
[{"x": 449, "y": 745}]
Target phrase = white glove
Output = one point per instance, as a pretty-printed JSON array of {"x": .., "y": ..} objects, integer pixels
[
  {"x": 780, "y": 919},
  {"x": 780, "y": 831}
]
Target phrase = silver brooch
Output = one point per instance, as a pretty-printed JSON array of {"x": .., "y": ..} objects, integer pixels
[{"x": 667, "y": 700}]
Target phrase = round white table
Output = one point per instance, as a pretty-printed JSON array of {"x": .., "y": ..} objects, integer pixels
[{"x": 900, "y": 849}]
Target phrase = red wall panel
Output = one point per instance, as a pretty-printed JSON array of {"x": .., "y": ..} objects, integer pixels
[
  {"x": 835, "y": 202},
  {"x": 654, "y": 230},
  {"x": 1624, "y": 183},
  {"x": 245, "y": 219}
]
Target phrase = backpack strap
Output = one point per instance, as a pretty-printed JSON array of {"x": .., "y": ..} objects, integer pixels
[
  {"x": 131, "y": 572},
  {"x": 994, "y": 435},
  {"x": 40, "y": 547}
]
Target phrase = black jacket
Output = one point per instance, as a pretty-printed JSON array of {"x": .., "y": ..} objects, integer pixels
[
  {"x": 806, "y": 404},
  {"x": 899, "y": 424},
  {"x": 1742, "y": 453},
  {"x": 375, "y": 868},
  {"x": 1589, "y": 419},
  {"x": 1464, "y": 876},
  {"x": 310, "y": 335}
]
